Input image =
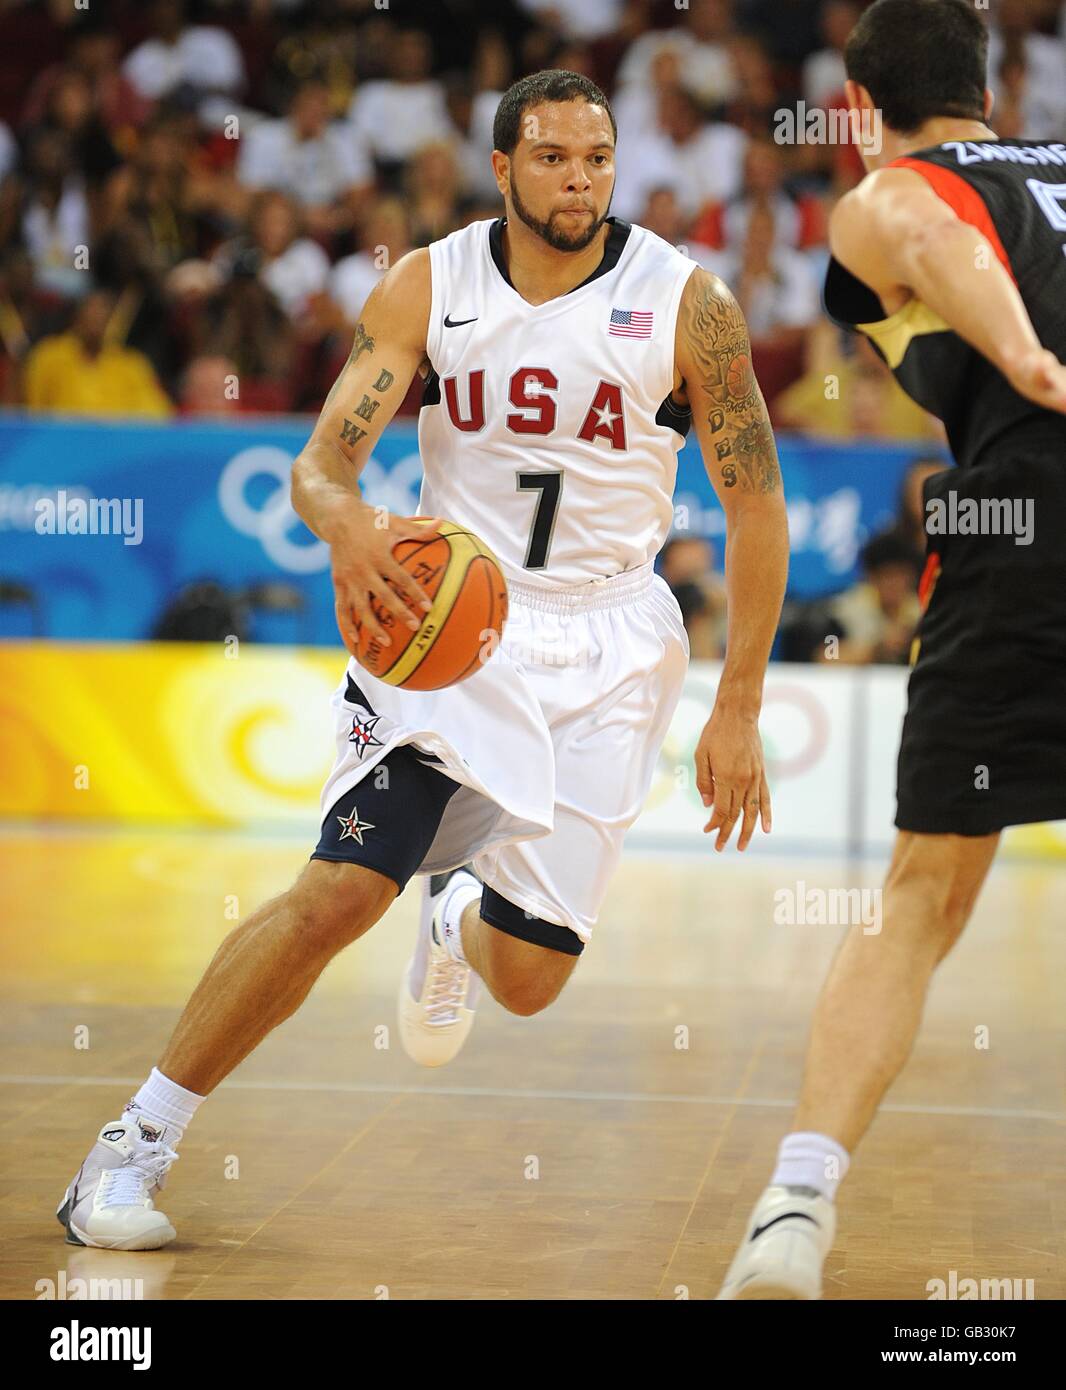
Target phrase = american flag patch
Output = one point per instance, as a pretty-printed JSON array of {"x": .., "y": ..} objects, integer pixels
[{"x": 630, "y": 323}]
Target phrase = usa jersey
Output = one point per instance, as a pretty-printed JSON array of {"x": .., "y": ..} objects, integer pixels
[
  {"x": 1014, "y": 192},
  {"x": 547, "y": 429}
]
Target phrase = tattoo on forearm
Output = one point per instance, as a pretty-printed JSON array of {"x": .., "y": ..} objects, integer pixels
[
  {"x": 351, "y": 433},
  {"x": 718, "y": 341}
]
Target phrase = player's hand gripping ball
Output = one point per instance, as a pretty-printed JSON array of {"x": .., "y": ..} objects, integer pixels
[{"x": 464, "y": 581}]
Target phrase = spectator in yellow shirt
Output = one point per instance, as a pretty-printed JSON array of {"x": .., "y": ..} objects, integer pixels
[
  {"x": 80, "y": 373},
  {"x": 853, "y": 397}
]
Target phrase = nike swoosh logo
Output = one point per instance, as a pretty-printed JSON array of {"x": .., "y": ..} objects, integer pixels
[
  {"x": 788, "y": 1216},
  {"x": 449, "y": 322}
]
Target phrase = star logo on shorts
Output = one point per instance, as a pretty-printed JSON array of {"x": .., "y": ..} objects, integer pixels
[
  {"x": 362, "y": 734},
  {"x": 354, "y": 827}
]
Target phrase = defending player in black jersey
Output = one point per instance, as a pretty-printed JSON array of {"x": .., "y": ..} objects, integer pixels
[{"x": 951, "y": 257}]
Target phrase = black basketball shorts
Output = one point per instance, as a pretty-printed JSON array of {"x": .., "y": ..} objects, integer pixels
[{"x": 984, "y": 738}]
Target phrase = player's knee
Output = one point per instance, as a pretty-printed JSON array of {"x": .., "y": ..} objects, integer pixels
[
  {"x": 525, "y": 997},
  {"x": 334, "y": 903},
  {"x": 529, "y": 986}
]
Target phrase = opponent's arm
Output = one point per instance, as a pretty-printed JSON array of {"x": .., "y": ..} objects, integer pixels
[
  {"x": 901, "y": 239},
  {"x": 713, "y": 357},
  {"x": 388, "y": 347}
]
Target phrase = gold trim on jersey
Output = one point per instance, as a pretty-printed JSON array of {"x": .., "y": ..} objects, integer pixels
[{"x": 894, "y": 334}]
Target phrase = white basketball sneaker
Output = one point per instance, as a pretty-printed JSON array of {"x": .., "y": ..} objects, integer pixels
[
  {"x": 438, "y": 995},
  {"x": 109, "y": 1204},
  {"x": 788, "y": 1238}
]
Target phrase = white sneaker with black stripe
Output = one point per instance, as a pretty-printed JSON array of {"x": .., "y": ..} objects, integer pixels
[
  {"x": 788, "y": 1237},
  {"x": 438, "y": 995},
  {"x": 109, "y": 1205}
]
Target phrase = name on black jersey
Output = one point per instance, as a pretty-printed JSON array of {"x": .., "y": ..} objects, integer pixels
[{"x": 987, "y": 151}]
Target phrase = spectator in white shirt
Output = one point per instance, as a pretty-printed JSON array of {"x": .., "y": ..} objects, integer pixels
[
  {"x": 763, "y": 186},
  {"x": 386, "y": 236},
  {"x": 823, "y": 72},
  {"x": 636, "y": 106},
  {"x": 292, "y": 266},
  {"x": 701, "y": 44},
  {"x": 393, "y": 118},
  {"x": 662, "y": 215},
  {"x": 318, "y": 163},
  {"x": 432, "y": 189},
  {"x": 1043, "y": 90},
  {"x": 51, "y": 204},
  {"x": 774, "y": 285},
  {"x": 202, "y": 57},
  {"x": 472, "y": 118},
  {"x": 472, "y": 99},
  {"x": 578, "y": 19},
  {"x": 701, "y": 161}
]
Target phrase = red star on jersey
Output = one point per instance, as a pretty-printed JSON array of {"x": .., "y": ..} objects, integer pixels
[
  {"x": 353, "y": 826},
  {"x": 362, "y": 734}
]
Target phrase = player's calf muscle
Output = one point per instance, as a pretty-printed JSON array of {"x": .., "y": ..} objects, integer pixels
[{"x": 934, "y": 880}]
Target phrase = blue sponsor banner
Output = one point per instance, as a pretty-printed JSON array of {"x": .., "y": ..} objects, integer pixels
[{"x": 101, "y": 525}]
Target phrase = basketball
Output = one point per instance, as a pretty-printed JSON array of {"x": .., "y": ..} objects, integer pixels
[{"x": 465, "y": 584}]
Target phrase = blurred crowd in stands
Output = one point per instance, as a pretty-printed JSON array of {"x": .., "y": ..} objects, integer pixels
[
  {"x": 196, "y": 196},
  {"x": 872, "y": 622}
]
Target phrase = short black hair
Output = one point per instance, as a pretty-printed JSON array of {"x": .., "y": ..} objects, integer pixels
[
  {"x": 919, "y": 59},
  {"x": 550, "y": 84},
  {"x": 889, "y": 548}
]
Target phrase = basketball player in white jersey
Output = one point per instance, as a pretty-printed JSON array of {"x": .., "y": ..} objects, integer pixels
[{"x": 564, "y": 354}]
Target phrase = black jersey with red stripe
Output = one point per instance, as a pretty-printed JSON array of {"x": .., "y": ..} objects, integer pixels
[{"x": 1014, "y": 192}]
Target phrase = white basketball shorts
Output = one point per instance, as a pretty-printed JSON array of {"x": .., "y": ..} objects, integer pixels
[{"x": 553, "y": 743}]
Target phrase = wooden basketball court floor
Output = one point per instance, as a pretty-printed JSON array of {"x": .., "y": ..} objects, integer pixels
[{"x": 578, "y": 1154}]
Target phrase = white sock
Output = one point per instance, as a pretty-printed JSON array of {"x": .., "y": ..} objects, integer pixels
[
  {"x": 167, "y": 1103},
  {"x": 811, "y": 1160},
  {"x": 466, "y": 890}
]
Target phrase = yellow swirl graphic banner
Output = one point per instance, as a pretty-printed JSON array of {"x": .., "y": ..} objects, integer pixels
[{"x": 165, "y": 732}]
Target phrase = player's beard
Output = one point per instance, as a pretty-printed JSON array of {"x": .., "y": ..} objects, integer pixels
[{"x": 550, "y": 231}]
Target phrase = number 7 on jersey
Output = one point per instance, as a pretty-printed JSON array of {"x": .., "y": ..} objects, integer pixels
[{"x": 550, "y": 486}]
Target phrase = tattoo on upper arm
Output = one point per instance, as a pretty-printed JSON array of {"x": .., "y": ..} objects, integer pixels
[
  {"x": 362, "y": 342},
  {"x": 717, "y": 339},
  {"x": 351, "y": 433}
]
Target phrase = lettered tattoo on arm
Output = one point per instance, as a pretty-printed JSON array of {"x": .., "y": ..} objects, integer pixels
[
  {"x": 717, "y": 340},
  {"x": 352, "y": 433}
]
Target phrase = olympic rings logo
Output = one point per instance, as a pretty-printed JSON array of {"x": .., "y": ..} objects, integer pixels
[
  {"x": 813, "y": 718},
  {"x": 273, "y": 524},
  {"x": 796, "y": 731}
]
